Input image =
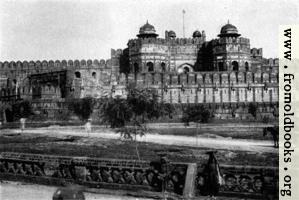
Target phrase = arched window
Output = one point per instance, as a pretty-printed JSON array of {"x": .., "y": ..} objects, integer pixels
[
  {"x": 150, "y": 66},
  {"x": 246, "y": 66},
  {"x": 220, "y": 66},
  {"x": 136, "y": 68},
  {"x": 77, "y": 74},
  {"x": 94, "y": 75},
  {"x": 235, "y": 66},
  {"x": 163, "y": 67}
]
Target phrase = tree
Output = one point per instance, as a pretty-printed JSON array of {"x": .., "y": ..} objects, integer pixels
[
  {"x": 131, "y": 114},
  {"x": 82, "y": 107},
  {"x": 22, "y": 109},
  {"x": 252, "y": 109},
  {"x": 196, "y": 113},
  {"x": 115, "y": 111}
]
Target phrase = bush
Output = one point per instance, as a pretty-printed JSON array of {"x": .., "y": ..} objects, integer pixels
[
  {"x": 196, "y": 113},
  {"x": 266, "y": 119},
  {"x": 115, "y": 112},
  {"x": 82, "y": 107},
  {"x": 22, "y": 109}
]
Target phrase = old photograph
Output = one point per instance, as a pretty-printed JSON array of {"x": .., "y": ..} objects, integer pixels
[{"x": 141, "y": 99}]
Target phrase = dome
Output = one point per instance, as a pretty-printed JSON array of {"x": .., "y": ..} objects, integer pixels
[
  {"x": 196, "y": 34},
  {"x": 147, "y": 30},
  {"x": 171, "y": 34},
  {"x": 229, "y": 30}
]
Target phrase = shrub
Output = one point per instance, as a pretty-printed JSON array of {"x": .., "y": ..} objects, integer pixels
[
  {"x": 196, "y": 113},
  {"x": 82, "y": 107},
  {"x": 22, "y": 109}
]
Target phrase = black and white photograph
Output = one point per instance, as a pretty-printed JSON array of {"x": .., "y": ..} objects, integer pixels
[{"x": 144, "y": 99}]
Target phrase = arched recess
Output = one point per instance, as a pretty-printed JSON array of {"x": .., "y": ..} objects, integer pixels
[
  {"x": 246, "y": 66},
  {"x": 94, "y": 75},
  {"x": 136, "y": 68},
  {"x": 150, "y": 66},
  {"x": 77, "y": 74},
  {"x": 235, "y": 66},
  {"x": 221, "y": 66},
  {"x": 163, "y": 66}
]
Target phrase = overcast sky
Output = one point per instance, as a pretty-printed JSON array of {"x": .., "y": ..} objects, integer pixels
[{"x": 74, "y": 29}]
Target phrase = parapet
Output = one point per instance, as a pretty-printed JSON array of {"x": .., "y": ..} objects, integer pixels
[
  {"x": 206, "y": 78},
  {"x": 256, "y": 52},
  {"x": 161, "y": 41},
  {"x": 225, "y": 40},
  {"x": 50, "y": 65}
]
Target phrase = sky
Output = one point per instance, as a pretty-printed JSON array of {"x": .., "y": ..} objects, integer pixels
[{"x": 88, "y": 29}]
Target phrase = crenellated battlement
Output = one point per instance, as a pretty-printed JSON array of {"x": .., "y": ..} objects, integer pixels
[
  {"x": 168, "y": 41},
  {"x": 40, "y": 66},
  {"x": 201, "y": 78},
  {"x": 231, "y": 40},
  {"x": 271, "y": 62}
]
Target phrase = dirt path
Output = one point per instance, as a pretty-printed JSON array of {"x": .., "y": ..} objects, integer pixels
[
  {"x": 191, "y": 141},
  {"x": 16, "y": 190}
]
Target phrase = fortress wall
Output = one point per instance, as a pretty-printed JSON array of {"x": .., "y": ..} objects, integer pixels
[
  {"x": 93, "y": 74},
  {"x": 212, "y": 87}
]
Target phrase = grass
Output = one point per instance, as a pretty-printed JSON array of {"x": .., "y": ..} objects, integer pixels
[
  {"x": 212, "y": 132},
  {"x": 111, "y": 148}
]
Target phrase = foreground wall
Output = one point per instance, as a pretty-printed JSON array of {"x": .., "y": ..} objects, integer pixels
[{"x": 142, "y": 178}]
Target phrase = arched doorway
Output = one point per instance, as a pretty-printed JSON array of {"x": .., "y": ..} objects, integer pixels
[
  {"x": 184, "y": 69},
  {"x": 235, "y": 66}
]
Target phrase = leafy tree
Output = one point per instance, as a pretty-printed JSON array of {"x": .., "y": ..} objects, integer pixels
[
  {"x": 82, "y": 107},
  {"x": 252, "y": 109},
  {"x": 115, "y": 112},
  {"x": 196, "y": 113},
  {"x": 22, "y": 109},
  {"x": 131, "y": 114}
]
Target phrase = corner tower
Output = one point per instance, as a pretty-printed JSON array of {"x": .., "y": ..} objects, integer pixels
[
  {"x": 148, "y": 53},
  {"x": 230, "y": 51}
]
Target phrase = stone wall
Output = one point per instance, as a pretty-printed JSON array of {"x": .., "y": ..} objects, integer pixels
[{"x": 149, "y": 178}]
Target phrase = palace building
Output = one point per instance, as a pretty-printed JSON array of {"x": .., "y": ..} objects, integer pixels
[{"x": 225, "y": 74}]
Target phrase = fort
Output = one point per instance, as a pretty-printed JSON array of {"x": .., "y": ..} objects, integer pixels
[{"x": 225, "y": 74}]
